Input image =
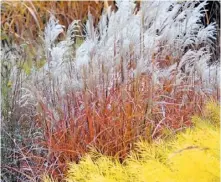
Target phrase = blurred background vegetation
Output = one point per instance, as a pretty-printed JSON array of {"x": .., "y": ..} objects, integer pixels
[{"x": 24, "y": 20}]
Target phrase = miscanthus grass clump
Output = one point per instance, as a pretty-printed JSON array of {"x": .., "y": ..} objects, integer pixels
[{"x": 191, "y": 155}]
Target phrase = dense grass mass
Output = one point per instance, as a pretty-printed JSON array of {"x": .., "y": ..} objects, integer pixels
[
  {"x": 191, "y": 155},
  {"x": 97, "y": 96}
]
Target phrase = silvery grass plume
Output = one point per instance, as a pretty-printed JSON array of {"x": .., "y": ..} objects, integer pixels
[
  {"x": 58, "y": 71},
  {"x": 146, "y": 38},
  {"x": 159, "y": 29}
]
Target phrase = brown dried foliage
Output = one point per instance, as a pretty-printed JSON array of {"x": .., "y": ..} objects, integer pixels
[{"x": 24, "y": 20}]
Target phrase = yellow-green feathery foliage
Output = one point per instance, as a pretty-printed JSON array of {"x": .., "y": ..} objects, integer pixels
[
  {"x": 189, "y": 156},
  {"x": 46, "y": 178},
  {"x": 212, "y": 112},
  {"x": 102, "y": 169}
]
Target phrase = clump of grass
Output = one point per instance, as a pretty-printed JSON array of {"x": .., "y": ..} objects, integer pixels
[
  {"x": 111, "y": 123},
  {"x": 122, "y": 83},
  {"x": 192, "y": 155}
]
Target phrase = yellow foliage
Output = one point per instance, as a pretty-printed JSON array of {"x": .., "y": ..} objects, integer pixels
[
  {"x": 195, "y": 164},
  {"x": 189, "y": 156},
  {"x": 9, "y": 84},
  {"x": 46, "y": 178},
  {"x": 212, "y": 112},
  {"x": 27, "y": 68},
  {"x": 103, "y": 169}
]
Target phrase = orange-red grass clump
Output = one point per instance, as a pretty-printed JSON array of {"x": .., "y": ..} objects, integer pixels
[{"x": 112, "y": 120}]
